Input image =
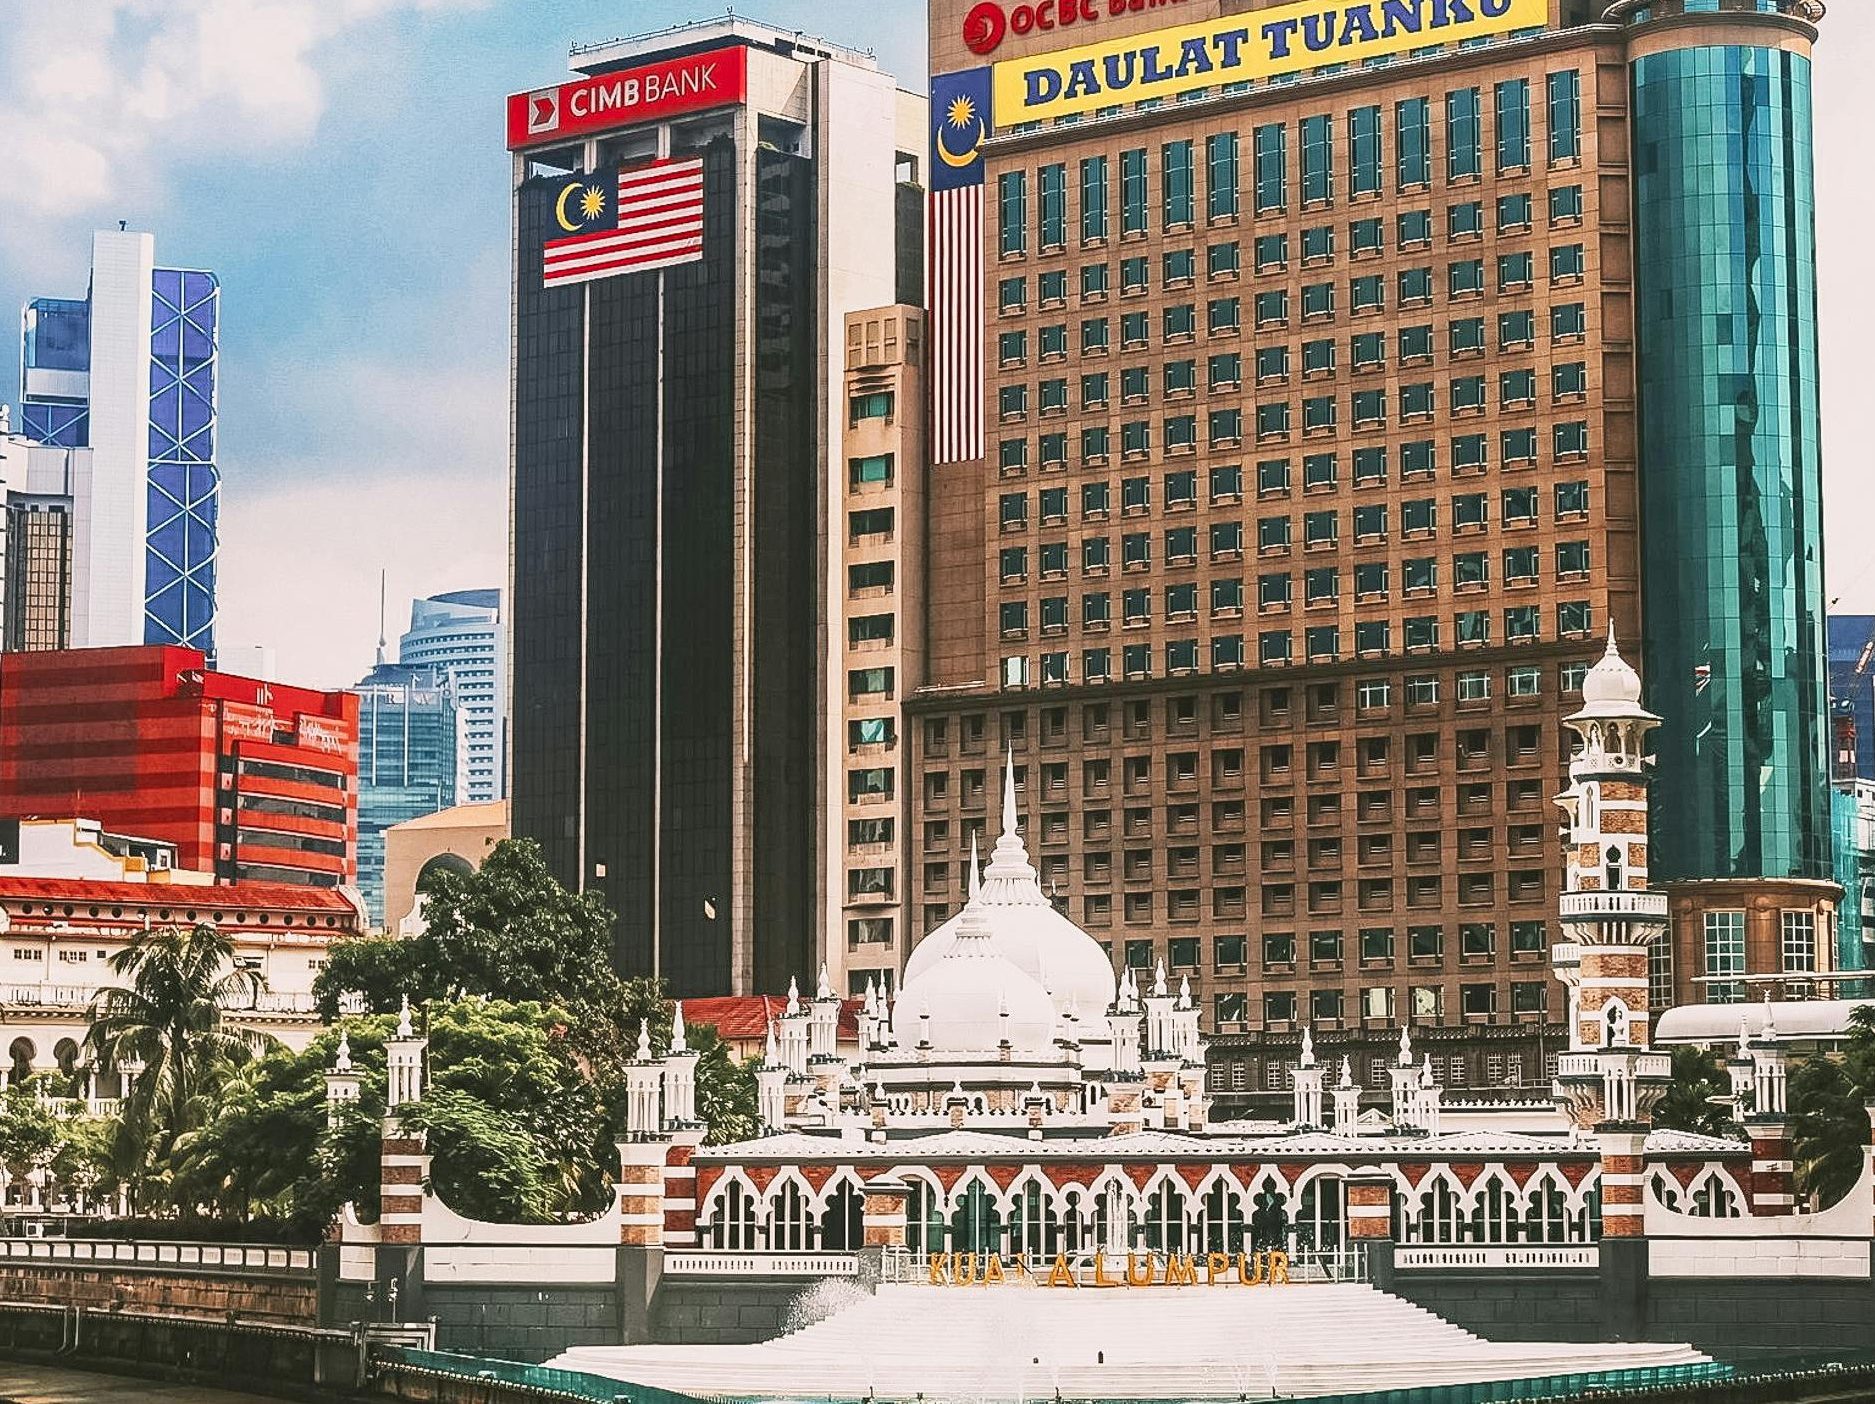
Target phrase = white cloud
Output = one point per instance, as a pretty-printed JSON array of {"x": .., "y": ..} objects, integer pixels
[{"x": 98, "y": 96}]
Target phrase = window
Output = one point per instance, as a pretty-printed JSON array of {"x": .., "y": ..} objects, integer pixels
[
  {"x": 1093, "y": 282},
  {"x": 1370, "y": 467},
  {"x": 875, "y": 469},
  {"x": 1799, "y": 940},
  {"x": 1220, "y": 164},
  {"x": 1565, "y": 116},
  {"x": 1520, "y": 623},
  {"x": 1053, "y": 183},
  {"x": 874, "y": 521},
  {"x": 1513, "y": 212},
  {"x": 1520, "y": 565},
  {"x": 1467, "y": 393},
  {"x": 1092, "y": 199},
  {"x": 1012, "y": 202},
  {"x": 1567, "y": 320},
  {"x": 1470, "y": 510},
  {"x": 1133, "y": 191},
  {"x": 1273, "y": 534},
  {"x": 1272, "y": 308},
  {"x": 1513, "y": 125},
  {"x": 1515, "y": 270},
  {"x": 1366, "y": 236},
  {"x": 1412, "y": 140},
  {"x": 1220, "y": 261},
  {"x": 1572, "y": 559},
  {"x": 1565, "y": 263},
  {"x": 1318, "y": 243},
  {"x": 1565, "y": 204},
  {"x": 1724, "y": 956},
  {"x": 1318, "y": 357},
  {"x": 1473, "y": 626},
  {"x": 1370, "y": 579},
  {"x": 1463, "y": 155},
  {"x": 1222, "y": 315},
  {"x": 1318, "y": 413},
  {"x": 1094, "y": 338},
  {"x": 1271, "y": 251},
  {"x": 1364, "y": 151},
  {"x": 1178, "y": 321},
  {"x": 1318, "y": 300},
  {"x": 1474, "y": 687},
  {"x": 1515, "y": 330},
  {"x": 1366, "y": 294},
  {"x": 1367, "y": 350},
  {"x": 1225, "y": 370},
  {"x": 1369, "y": 407},
  {"x": 1176, "y": 175},
  {"x": 1469, "y": 454},
  {"x": 1516, "y": 387},
  {"x": 1573, "y": 618},
  {"x": 1011, "y": 296},
  {"x": 1572, "y": 439},
  {"x": 1318, "y": 472},
  {"x": 1415, "y": 228},
  {"x": 1273, "y": 647},
  {"x": 1319, "y": 529},
  {"x": 1415, "y": 286},
  {"x": 1572, "y": 500},
  {"x": 1465, "y": 278},
  {"x": 1269, "y": 145},
  {"x": 1523, "y": 682}
]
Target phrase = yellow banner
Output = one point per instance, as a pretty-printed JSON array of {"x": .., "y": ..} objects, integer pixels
[{"x": 1264, "y": 44}]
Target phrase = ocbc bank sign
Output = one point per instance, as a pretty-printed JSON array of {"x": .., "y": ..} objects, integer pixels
[{"x": 988, "y": 23}]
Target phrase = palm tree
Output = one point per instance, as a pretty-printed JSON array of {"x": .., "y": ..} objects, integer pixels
[{"x": 165, "y": 1024}]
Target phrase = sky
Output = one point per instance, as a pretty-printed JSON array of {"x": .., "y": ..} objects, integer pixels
[{"x": 339, "y": 164}]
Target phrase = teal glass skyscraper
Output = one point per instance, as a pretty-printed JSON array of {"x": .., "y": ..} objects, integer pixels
[{"x": 1731, "y": 476}]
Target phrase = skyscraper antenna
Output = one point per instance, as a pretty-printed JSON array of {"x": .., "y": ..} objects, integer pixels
[{"x": 382, "y": 573}]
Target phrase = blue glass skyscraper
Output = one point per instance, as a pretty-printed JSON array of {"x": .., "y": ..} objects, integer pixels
[
  {"x": 1731, "y": 473},
  {"x": 129, "y": 373}
]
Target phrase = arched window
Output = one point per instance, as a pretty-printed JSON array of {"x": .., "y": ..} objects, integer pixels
[
  {"x": 1588, "y": 806},
  {"x": 65, "y": 1054},
  {"x": 1165, "y": 1220},
  {"x": 1492, "y": 1219},
  {"x": 1713, "y": 1198},
  {"x": 842, "y": 1221},
  {"x": 924, "y": 1219},
  {"x": 791, "y": 1225},
  {"x": 1320, "y": 1223},
  {"x": 1545, "y": 1218},
  {"x": 1077, "y": 1233},
  {"x": 1613, "y": 869},
  {"x": 1032, "y": 1226},
  {"x": 1221, "y": 1219},
  {"x": 976, "y": 1222},
  {"x": 1437, "y": 1220},
  {"x": 21, "y": 1054},
  {"x": 733, "y": 1223}
]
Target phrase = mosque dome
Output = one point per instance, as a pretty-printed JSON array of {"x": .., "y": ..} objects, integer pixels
[
  {"x": 1025, "y": 928},
  {"x": 1611, "y": 688},
  {"x": 972, "y": 997}
]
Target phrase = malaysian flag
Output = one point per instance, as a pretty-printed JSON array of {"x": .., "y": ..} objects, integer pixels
[
  {"x": 652, "y": 218},
  {"x": 960, "y": 119}
]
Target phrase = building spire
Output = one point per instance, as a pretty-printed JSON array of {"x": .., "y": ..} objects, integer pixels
[
  {"x": 382, "y": 576},
  {"x": 1009, "y": 792},
  {"x": 1308, "y": 1046},
  {"x": 976, "y": 869},
  {"x": 677, "y": 1027}
]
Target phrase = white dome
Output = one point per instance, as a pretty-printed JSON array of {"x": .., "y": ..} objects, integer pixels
[
  {"x": 1025, "y": 928},
  {"x": 1611, "y": 688},
  {"x": 972, "y": 998}
]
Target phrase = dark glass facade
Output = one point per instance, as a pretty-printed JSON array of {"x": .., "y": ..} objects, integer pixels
[
  {"x": 1730, "y": 468},
  {"x": 626, "y": 724}
]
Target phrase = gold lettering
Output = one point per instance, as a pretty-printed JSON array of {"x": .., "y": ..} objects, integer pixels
[
  {"x": 1138, "y": 1270},
  {"x": 937, "y": 1263},
  {"x": 1061, "y": 1275},
  {"x": 1215, "y": 1265},
  {"x": 964, "y": 1269},
  {"x": 1100, "y": 1272},
  {"x": 1279, "y": 1267},
  {"x": 1249, "y": 1268},
  {"x": 1180, "y": 1270},
  {"x": 993, "y": 1268}
]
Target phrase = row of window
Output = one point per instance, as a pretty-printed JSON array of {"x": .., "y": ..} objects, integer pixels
[
  {"x": 1274, "y": 422},
  {"x": 1522, "y": 624},
  {"x": 1275, "y": 591},
  {"x": 1317, "y": 144},
  {"x": 1376, "y": 1002},
  {"x": 1271, "y": 253},
  {"x": 1321, "y": 529},
  {"x": 1270, "y": 311}
]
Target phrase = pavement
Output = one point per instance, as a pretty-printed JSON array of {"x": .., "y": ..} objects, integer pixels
[{"x": 54, "y": 1384}]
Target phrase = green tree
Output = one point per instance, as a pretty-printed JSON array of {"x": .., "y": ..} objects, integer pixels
[
  {"x": 1698, "y": 1077},
  {"x": 1827, "y": 1095},
  {"x": 168, "y": 1020}
]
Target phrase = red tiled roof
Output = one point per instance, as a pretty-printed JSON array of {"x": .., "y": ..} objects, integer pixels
[
  {"x": 273, "y": 896},
  {"x": 748, "y": 1016}
]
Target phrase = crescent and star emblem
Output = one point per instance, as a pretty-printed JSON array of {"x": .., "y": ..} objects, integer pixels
[
  {"x": 591, "y": 204},
  {"x": 961, "y": 114}
]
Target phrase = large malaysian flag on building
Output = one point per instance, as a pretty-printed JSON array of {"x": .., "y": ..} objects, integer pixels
[
  {"x": 652, "y": 217},
  {"x": 960, "y": 120}
]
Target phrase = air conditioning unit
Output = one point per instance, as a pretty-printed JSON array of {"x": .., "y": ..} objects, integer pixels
[{"x": 160, "y": 861}]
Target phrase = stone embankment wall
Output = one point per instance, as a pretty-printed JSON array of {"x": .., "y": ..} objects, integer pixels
[{"x": 279, "y": 1299}]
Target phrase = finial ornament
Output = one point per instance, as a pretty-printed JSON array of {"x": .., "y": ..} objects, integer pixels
[
  {"x": 343, "y": 1062},
  {"x": 822, "y": 988},
  {"x": 1158, "y": 979},
  {"x": 1425, "y": 1072},
  {"x": 403, "y": 1018},
  {"x": 677, "y": 1028},
  {"x": 1308, "y": 1046},
  {"x": 976, "y": 869},
  {"x": 794, "y": 995},
  {"x": 1406, "y": 1047},
  {"x": 644, "y": 1040},
  {"x": 1347, "y": 1073},
  {"x": 1009, "y": 791},
  {"x": 769, "y": 1054},
  {"x": 1769, "y": 1032},
  {"x": 1184, "y": 992}
]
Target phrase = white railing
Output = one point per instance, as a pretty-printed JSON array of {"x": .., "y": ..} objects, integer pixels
[
  {"x": 203, "y": 1257},
  {"x": 727, "y": 1263},
  {"x": 1558, "y": 1255},
  {"x": 82, "y": 997},
  {"x": 1634, "y": 904}
]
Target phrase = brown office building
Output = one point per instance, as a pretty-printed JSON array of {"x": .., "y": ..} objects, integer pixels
[{"x": 1303, "y": 492}]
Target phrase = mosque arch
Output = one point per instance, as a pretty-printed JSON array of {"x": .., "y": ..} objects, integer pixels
[
  {"x": 21, "y": 1054},
  {"x": 732, "y": 1216},
  {"x": 1712, "y": 1195},
  {"x": 1034, "y": 1218},
  {"x": 1223, "y": 1223},
  {"x": 1546, "y": 1216},
  {"x": 1321, "y": 1221},
  {"x": 65, "y": 1054},
  {"x": 1167, "y": 1217},
  {"x": 439, "y": 865},
  {"x": 842, "y": 1221},
  {"x": 976, "y": 1218},
  {"x": 791, "y": 1225}
]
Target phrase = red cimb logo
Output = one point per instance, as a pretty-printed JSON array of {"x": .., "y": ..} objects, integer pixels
[{"x": 984, "y": 27}]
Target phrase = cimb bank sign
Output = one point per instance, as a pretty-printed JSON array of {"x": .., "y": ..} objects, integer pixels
[{"x": 1290, "y": 39}]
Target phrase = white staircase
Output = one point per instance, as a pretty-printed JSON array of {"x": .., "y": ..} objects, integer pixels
[{"x": 1017, "y": 1343}]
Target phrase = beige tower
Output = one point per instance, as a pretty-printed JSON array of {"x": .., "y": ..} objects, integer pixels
[{"x": 1609, "y": 1081}]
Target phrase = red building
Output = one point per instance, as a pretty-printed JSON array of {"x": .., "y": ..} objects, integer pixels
[{"x": 254, "y": 781}]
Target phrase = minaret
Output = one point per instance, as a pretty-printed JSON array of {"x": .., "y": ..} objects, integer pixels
[
  {"x": 1308, "y": 1083},
  {"x": 1347, "y": 1102},
  {"x": 1610, "y": 1081}
]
